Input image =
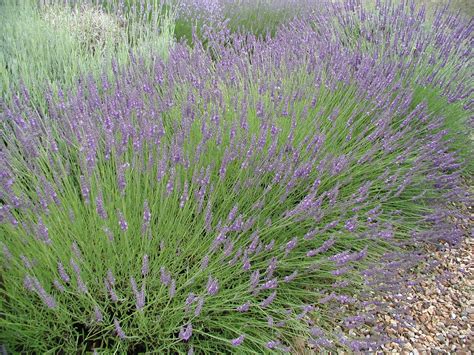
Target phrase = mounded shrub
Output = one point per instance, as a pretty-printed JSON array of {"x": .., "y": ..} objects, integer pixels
[{"x": 250, "y": 197}]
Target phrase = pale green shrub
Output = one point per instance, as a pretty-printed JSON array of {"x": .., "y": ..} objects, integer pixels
[{"x": 89, "y": 25}]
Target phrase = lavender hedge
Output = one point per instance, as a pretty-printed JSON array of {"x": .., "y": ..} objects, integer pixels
[
  {"x": 250, "y": 196},
  {"x": 260, "y": 17}
]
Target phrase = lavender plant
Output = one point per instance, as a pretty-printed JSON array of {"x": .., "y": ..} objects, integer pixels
[
  {"x": 260, "y": 17},
  {"x": 247, "y": 195},
  {"x": 435, "y": 52}
]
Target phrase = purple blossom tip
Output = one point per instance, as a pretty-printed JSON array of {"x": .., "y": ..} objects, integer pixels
[
  {"x": 238, "y": 341},
  {"x": 98, "y": 314},
  {"x": 243, "y": 308},
  {"x": 212, "y": 286},
  {"x": 145, "y": 266},
  {"x": 273, "y": 344},
  {"x": 118, "y": 330},
  {"x": 62, "y": 272},
  {"x": 186, "y": 332},
  {"x": 57, "y": 284},
  {"x": 122, "y": 222}
]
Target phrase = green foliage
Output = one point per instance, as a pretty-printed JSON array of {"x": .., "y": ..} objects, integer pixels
[{"x": 456, "y": 123}]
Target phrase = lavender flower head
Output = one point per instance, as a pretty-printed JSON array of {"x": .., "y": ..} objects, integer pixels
[
  {"x": 186, "y": 332},
  {"x": 57, "y": 284},
  {"x": 98, "y": 314},
  {"x": 243, "y": 308},
  {"x": 99, "y": 202},
  {"x": 43, "y": 232},
  {"x": 199, "y": 306},
  {"x": 291, "y": 245},
  {"x": 238, "y": 341},
  {"x": 62, "y": 272},
  {"x": 146, "y": 217},
  {"x": 118, "y": 330},
  {"x": 145, "y": 265},
  {"x": 212, "y": 286},
  {"x": 122, "y": 222}
]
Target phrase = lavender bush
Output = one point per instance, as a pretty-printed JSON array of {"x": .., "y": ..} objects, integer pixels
[
  {"x": 435, "y": 53},
  {"x": 260, "y": 17},
  {"x": 249, "y": 196}
]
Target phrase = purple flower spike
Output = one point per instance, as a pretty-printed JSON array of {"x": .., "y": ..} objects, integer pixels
[
  {"x": 109, "y": 234},
  {"x": 212, "y": 286},
  {"x": 110, "y": 278},
  {"x": 165, "y": 276},
  {"x": 146, "y": 217},
  {"x": 26, "y": 262},
  {"x": 243, "y": 308},
  {"x": 145, "y": 266},
  {"x": 76, "y": 267},
  {"x": 185, "y": 196},
  {"x": 172, "y": 288},
  {"x": 6, "y": 252},
  {"x": 43, "y": 232},
  {"x": 118, "y": 329},
  {"x": 186, "y": 332},
  {"x": 270, "y": 246},
  {"x": 273, "y": 344},
  {"x": 232, "y": 214},
  {"x": 98, "y": 314},
  {"x": 351, "y": 224},
  {"x": 290, "y": 277},
  {"x": 238, "y": 341},
  {"x": 57, "y": 284},
  {"x": 122, "y": 222},
  {"x": 81, "y": 285},
  {"x": 85, "y": 189},
  {"x": 28, "y": 283},
  {"x": 109, "y": 287},
  {"x": 267, "y": 301},
  {"x": 75, "y": 249},
  {"x": 270, "y": 284},
  {"x": 246, "y": 264},
  {"x": 99, "y": 202},
  {"x": 205, "y": 262},
  {"x": 200, "y": 304},
  {"x": 254, "y": 279},
  {"x": 139, "y": 295},
  {"x": 291, "y": 245},
  {"x": 47, "y": 299},
  {"x": 322, "y": 249}
]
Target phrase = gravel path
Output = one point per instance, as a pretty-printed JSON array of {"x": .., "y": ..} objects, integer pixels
[{"x": 442, "y": 306}]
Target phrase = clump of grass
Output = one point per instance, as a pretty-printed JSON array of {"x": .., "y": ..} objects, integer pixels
[{"x": 50, "y": 46}]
